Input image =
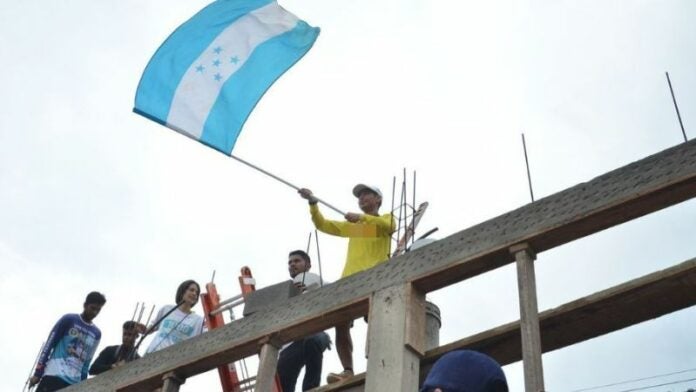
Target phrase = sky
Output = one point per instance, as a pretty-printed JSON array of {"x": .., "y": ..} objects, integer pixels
[{"x": 94, "y": 197}]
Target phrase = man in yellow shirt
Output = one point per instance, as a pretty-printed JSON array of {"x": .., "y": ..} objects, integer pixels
[{"x": 369, "y": 237}]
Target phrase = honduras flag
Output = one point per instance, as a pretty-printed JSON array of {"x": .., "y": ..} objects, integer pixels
[{"x": 209, "y": 74}]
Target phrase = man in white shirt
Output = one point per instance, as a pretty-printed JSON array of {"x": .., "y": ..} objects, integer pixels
[{"x": 307, "y": 352}]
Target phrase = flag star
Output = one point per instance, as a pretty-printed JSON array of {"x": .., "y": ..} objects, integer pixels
[
  {"x": 200, "y": 68},
  {"x": 217, "y": 50},
  {"x": 218, "y": 77},
  {"x": 216, "y": 62},
  {"x": 234, "y": 59}
]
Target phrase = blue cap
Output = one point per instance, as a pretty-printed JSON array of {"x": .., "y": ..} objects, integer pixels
[{"x": 466, "y": 371}]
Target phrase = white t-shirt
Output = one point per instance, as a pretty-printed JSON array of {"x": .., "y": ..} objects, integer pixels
[
  {"x": 311, "y": 280},
  {"x": 176, "y": 327}
]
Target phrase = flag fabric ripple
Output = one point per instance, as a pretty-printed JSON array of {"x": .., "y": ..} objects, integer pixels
[{"x": 207, "y": 77}]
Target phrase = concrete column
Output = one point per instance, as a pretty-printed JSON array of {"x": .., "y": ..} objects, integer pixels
[
  {"x": 529, "y": 318},
  {"x": 396, "y": 337},
  {"x": 268, "y": 361},
  {"x": 433, "y": 322},
  {"x": 172, "y": 382}
]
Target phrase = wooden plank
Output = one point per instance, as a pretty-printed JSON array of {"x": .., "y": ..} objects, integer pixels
[
  {"x": 392, "y": 365},
  {"x": 353, "y": 384},
  {"x": 415, "y": 321},
  {"x": 642, "y": 187},
  {"x": 633, "y": 302},
  {"x": 610, "y": 310},
  {"x": 529, "y": 318}
]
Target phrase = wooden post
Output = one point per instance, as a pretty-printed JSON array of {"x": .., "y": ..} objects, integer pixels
[
  {"x": 172, "y": 382},
  {"x": 268, "y": 361},
  {"x": 396, "y": 339},
  {"x": 529, "y": 318}
]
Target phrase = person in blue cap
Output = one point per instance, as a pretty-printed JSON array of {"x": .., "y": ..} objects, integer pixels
[{"x": 465, "y": 371}]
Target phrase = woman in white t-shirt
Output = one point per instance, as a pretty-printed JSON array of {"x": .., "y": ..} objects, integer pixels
[{"x": 182, "y": 323}]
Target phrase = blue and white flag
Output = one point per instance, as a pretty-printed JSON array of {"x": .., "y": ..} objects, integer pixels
[{"x": 209, "y": 74}]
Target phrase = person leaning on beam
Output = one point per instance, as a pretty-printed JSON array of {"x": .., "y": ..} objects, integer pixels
[
  {"x": 369, "y": 236},
  {"x": 115, "y": 356},
  {"x": 309, "y": 351}
]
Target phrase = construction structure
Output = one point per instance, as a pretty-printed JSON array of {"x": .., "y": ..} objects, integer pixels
[{"x": 393, "y": 293}]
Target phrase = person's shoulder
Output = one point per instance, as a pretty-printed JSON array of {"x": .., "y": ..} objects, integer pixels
[
  {"x": 165, "y": 308},
  {"x": 111, "y": 348},
  {"x": 313, "y": 276},
  {"x": 196, "y": 316},
  {"x": 66, "y": 321},
  {"x": 309, "y": 279},
  {"x": 70, "y": 318},
  {"x": 92, "y": 327}
]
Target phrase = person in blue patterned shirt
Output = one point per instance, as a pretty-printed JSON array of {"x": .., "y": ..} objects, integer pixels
[{"x": 66, "y": 356}]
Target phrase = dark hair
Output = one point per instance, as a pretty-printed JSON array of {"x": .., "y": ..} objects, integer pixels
[
  {"x": 129, "y": 325},
  {"x": 96, "y": 298},
  {"x": 302, "y": 254},
  {"x": 183, "y": 287}
]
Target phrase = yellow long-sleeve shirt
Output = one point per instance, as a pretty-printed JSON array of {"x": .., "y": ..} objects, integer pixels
[{"x": 368, "y": 243}]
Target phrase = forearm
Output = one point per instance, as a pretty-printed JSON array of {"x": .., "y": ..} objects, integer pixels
[
  {"x": 99, "y": 366},
  {"x": 48, "y": 348},
  {"x": 324, "y": 225}
]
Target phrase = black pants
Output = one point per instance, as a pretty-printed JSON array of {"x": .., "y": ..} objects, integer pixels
[
  {"x": 307, "y": 352},
  {"x": 51, "y": 383}
]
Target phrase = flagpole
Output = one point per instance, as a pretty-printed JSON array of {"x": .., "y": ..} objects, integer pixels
[{"x": 284, "y": 182}]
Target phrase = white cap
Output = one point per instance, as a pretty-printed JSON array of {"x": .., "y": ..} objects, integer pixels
[{"x": 361, "y": 187}]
